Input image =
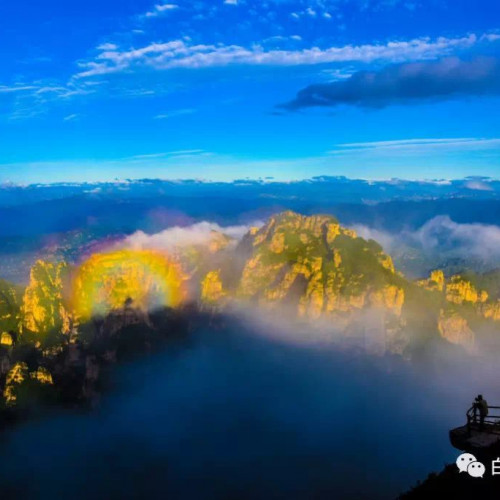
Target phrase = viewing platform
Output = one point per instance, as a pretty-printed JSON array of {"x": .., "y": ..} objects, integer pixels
[{"x": 472, "y": 439}]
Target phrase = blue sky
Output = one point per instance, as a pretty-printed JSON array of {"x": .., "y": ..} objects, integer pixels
[{"x": 231, "y": 89}]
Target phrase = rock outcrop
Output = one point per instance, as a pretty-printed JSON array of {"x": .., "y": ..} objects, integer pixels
[
  {"x": 10, "y": 306},
  {"x": 455, "y": 329},
  {"x": 490, "y": 310},
  {"x": 460, "y": 290},
  {"x": 212, "y": 291},
  {"x": 44, "y": 308},
  {"x": 314, "y": 268},
  {"x": 318, "y": 264},
  {"x": 435, "y": 282},
  {"x": 19, "y": 376}
]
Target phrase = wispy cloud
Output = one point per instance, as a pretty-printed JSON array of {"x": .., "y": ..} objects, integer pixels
[
  {"x": 71, "y": 118},
  {"x": 33, "y": 99},
  {"x": 175, "y": 112},
  {"x": 406, "y": 83},
  {"x": 417, "y": 145},
  {"x": 168, "y": 154},
  {"x": 4, "y": 89},
  {"x": 182, "y": 54}
]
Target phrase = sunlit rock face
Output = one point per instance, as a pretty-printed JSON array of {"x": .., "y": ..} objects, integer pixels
[
  {"x": 6, "y": 339},
  {"x": 325, "y": 268},
  {"x": 212, "y": 291},
  {"x": 455, "y": 328},
  {"x": 20, "y": 382},
  {"x": 310, "y": 267},
  {"x": 44, "y": 308},
  {"x": 491, "y": 310},
  {"x": 10, "y": 304},
  {"x": 459, "y": 290},
  {"x": 435, "y": 282},
  {"x": 15, "y": 377},
  {"x": 106, "y": 281},
  {"x": 314, "y": 268}
]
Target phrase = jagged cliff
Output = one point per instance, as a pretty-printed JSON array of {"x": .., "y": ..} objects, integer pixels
[
  {"x": 317, "y": 269},
  {"x": 313, "y": 267},
  {"x": 44, "y": 308},
  {"x": 460, "y": 289},
  {"x": 313, "y": 262},
  {"x": 10, "y": 308},
  {"x": 459, "y": 295}
]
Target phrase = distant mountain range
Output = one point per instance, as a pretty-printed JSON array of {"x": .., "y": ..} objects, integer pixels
[
  {"x": 338, "y": 189},
  {"x": 58, "y": 220}
]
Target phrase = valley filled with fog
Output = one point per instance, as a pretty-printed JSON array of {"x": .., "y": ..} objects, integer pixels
[{"x": 237, "y": 413}]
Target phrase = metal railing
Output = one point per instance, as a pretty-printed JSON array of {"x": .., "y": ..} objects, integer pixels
[{"x": 491, "y": 421}]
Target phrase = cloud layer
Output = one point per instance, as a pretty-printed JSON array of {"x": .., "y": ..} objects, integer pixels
[
  {"x": 182, "y": 54},
  {"x": 440, "y": 238},
  {"x": 406, "y": 83},
  {"x": 176, "y": 237},
  {"x": 463, "y": 240}
]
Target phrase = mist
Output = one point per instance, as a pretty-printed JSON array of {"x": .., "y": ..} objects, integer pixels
[
  {"x": 440, "y": 239},
  {"x": 199, "y": 234},
  {"x": 241, "y": 413}
]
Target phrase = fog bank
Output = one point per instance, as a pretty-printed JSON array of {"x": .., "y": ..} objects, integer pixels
[{"x": 238, "y": 414}]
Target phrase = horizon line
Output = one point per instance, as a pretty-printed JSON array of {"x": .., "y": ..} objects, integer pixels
[{"x": 259, "y": 180}]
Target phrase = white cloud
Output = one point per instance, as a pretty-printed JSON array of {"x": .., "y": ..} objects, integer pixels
[
  {"x": 161, "y": 9},
  {"x": 465, "y": 240},
  {"x": 231, "y": 2},
  {"x": 181, "y": 54},
  {"x": 71, "y": 118},
  {"x": 107, "y": 46},
  {"x": 386, "y": 239},
  {"x": 164, "y": 7},
  {"x": 491, "y": 37},
  {"x": 441, "y": 238},
  {"x": 478, "y": 185},
  {"x": 177, "y": 237}
]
